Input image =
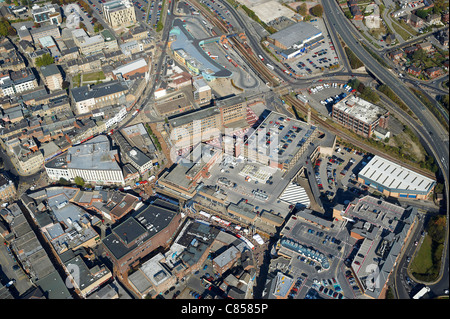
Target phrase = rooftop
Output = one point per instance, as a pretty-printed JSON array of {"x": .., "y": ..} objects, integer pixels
[
  {"x": 142, "y": 226},
  {"x": 392, "y": 176},
  {"x": 189, "y": 45},
  {"x": 296, "y": 34},
  {"x": 279, "y": 138},
  {"x": 130, "y": 67},
  {"x": 88, "y": 92},
  {"x": 95, "y": 154},
  {"x": 360, "y": 109}
]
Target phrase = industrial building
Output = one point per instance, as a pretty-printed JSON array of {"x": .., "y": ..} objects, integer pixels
[
  {"x": 394, "y": 180},
  {"x": 296, "y": 38},
  {"x": 360, "y": 116}
]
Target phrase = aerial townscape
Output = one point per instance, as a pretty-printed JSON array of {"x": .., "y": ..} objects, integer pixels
[{"x": 224, "y": 149}]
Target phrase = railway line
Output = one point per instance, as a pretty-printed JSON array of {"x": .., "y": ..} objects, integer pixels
[
  {"x": 246, "y": 52},
  {"x": 295, "y": 103}
]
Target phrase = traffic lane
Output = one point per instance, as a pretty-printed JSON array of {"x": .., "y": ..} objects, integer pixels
[
  {"x": 253, "y": 42},
  {"x": 389, "y": 80}
]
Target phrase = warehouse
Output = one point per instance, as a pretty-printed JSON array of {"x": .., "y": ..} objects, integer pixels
[
  {"x": 297, "y": 36},
  {"x": 394, "y": 180}
]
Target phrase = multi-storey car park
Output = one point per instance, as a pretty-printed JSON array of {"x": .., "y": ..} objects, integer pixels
[{"x": 279, "y": 141}]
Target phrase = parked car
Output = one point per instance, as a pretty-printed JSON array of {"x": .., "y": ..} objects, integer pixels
[{"x": 10, "y": 283}]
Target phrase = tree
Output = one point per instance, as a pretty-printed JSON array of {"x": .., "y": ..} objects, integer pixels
[
  {"x": 369, "y": 95},
  {"x": 65, "y": 85},
  {"x": 348, "y": 14},
  {"x": 44, "y": 60},
  {"x": 419, "y": 55},
  {"x": 6, "y": 28},
  {"x": 98, "y": 27},
  {"x": 317, "y": 11},
  {"x": 422, "y": 13},
  {"x": 64, "y": 181},
  {"x": 445, "y": 101},
  {"x": 302, "y": 9},
  {"x": 79, "y": 181},
  {"x": 439, "y": 6}
]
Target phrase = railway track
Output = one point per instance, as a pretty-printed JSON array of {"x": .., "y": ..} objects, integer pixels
[
  {"x": 254, "y": 62},
  {"x": 295, "y": 103}
]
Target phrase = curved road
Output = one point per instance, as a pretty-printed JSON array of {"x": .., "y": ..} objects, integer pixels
[{"x": 431, "y": 131}]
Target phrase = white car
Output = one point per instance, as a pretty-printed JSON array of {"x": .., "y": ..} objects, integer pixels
[{"x": 9, "y": 284}]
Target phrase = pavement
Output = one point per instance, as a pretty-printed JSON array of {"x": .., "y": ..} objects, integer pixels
[{"x": 431, "y": 131}]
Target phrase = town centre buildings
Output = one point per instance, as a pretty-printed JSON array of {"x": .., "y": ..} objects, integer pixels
[{"x": 94, "y": 161}]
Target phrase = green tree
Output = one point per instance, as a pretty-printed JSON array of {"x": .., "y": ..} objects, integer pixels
[
  {"x": 79, "y": 181},
  {"x": 98, "y": 27},
  {"x": 64, "y": 181},
  {"x": 369, "y": 95},
  {"x": 317, "y": 11},
  {"x": 348, "y": 15},
  {"x": 439, "y": 6},
  {"x": 44, "y": 60},
  {"x": 6, "y": 28},
  {"x": 419, "y": 56},
  {"x": 422, "y": 14},
  {"x": 355, "y": 63},
  {"x": 302, "y": 9},
  {"x": 445, "y": 101}
]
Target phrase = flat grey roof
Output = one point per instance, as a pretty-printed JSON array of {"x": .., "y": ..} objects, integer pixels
[
  {"x": 84, "y": 92},
  {"x": 296, "y": 34},
  {"x": 94, "y": 154},
  {"x": 150, "y": 220}
]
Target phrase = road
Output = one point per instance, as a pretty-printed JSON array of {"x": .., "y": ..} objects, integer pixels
[{"x": 431, "y": 131}]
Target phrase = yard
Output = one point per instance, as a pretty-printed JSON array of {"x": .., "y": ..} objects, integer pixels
[
  {"x": 93, "y": 77},
  {"x": 426, "y": 264}
]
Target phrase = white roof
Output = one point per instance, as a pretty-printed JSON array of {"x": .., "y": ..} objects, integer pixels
[
  {"x": 129, "y": 67},
  {"x": 395, "y": 177},
  {"x": 360, "y": 109}
]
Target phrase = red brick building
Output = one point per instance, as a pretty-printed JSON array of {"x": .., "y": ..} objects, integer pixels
[
  {"x": 433, "y": 72},
  {"x": 140, "y": 66},
  {"x": 414, "y": 71},
  {"x": 147, "y": 229}
]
